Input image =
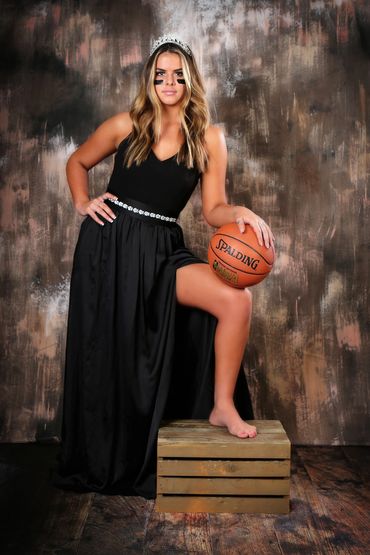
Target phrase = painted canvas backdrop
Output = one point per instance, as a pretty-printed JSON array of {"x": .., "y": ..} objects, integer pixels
[{"x": 288, "y": 82}]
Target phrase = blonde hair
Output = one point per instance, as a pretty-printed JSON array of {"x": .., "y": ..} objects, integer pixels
[{"x": 146, "y": 114}]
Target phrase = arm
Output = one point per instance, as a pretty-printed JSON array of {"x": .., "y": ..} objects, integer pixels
[
  {"x": 216, "y": 210},
  {"x": 102, "y": 143}
]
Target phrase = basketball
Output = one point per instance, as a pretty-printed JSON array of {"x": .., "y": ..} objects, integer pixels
[{"x": 237, "y": 258}]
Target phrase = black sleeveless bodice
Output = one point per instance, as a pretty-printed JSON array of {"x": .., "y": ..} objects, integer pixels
[{"x": 164, "y": 185}]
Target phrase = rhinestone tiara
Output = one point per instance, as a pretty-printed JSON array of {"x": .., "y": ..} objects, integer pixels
[{"x": 169, "y": 38}]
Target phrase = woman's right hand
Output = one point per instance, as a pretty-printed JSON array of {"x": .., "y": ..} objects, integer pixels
[{"x": 97, "y": 206}]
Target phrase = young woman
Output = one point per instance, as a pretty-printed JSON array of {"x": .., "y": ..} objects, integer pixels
[{"x": 152, "y": 333}]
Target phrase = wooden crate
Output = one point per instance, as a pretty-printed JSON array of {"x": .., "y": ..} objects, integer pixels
[{"x": 203, "y": 468}]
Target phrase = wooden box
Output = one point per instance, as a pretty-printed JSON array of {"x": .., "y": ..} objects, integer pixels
[{"x": 203, "y": 468}]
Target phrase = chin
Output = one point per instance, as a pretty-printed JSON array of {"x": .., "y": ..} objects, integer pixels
[{"x": 170, "y": 102}]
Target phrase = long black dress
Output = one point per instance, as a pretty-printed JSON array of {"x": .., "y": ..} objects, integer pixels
[{"x": 134, "y": 356}]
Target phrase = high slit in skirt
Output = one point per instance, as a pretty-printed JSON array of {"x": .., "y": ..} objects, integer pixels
[{"x": 134, "y": 355}]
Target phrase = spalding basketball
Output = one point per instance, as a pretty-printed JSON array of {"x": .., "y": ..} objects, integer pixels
[{"x": 237, "y": 258}]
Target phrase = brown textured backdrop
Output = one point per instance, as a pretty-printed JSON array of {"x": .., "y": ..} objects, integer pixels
[{"x": 289, "y": 84}]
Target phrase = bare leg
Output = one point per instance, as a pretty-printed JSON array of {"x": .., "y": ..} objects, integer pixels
[{"x": 197, "y": 286}]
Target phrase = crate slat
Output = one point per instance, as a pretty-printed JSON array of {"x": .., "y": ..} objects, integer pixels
[
  {"x": 264, "y": 426},
  {"x": 277, "y": 449},
  {"x": 192, "y": 504},
  {"x": 223, "y": 486},
  {"x": 224, "y": 467}
]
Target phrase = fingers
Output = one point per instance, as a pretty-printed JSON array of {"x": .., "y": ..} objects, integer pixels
[
  {"x": 241, "y": 224},
  {"x": 271, "y": 236},
  {"x": 258, "y": 231},
  {"x": 266, "y": 234},
  {"x": 98, "y": 206},
  {"x": 261, "y": 229},
  {"x": 256, "y": 228}
]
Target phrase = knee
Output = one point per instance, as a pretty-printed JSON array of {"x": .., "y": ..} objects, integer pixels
[
  {"x": 245, "y": 301},
  {"x": 237, "y": 303},
  {"x": 248, "y": 297}
]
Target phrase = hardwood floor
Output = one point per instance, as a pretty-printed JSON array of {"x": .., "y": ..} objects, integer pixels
[{"x": 329, "y": 513}]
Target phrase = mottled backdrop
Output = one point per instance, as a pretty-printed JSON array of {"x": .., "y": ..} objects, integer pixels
[{"x": 289, "y": 84}]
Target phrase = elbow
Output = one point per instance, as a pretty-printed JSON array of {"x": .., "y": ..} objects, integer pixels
[
  {"x": 71, "y": 160},
  {"x": 207, "y": 215},
  {"x": 70, "y": 166},
  {"x": 74, "y": 161}
]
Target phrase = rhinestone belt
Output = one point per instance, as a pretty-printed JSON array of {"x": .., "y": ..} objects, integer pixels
[{"x": 143, "y": 212}]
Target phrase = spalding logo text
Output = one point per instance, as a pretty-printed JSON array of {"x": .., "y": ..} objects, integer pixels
[{"x": 247, "y": 260}]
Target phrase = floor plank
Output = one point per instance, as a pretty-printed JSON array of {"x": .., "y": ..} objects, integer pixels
[
  {"x": 115, "y": 524},
  {"x": 243, "y": 534},
  {"x": 178, "y": 533},
  {"x": 359, "y": 458}
]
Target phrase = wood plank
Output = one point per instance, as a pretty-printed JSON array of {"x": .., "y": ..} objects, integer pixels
[
  {"x": 263, "y": 426},
  {"x": 173, "y": 533},
  {"x": 276, "y": 449},
  {"x": 222, "y": 504},
  {"x": 64, "y": 523},
  {"x": 244, "y": 533},
  {"x": 224, "y": 467},
  {"x": 195, "y": 438},
  {"x": 116, "y": 524},
  {"x": 358, "y": 457},
  {"x": 223, "y": 486},
  {"x": 214, "y": 432},
  {"x": 220, "y": 435}
]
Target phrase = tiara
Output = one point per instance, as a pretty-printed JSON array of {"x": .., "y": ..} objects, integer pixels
[{"x": 174, "y": 40}]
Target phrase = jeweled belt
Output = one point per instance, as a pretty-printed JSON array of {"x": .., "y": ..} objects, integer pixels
[{"x": 142, "y": 209}]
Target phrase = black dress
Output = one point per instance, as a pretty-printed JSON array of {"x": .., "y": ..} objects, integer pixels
[{"x": 134, "y": 356}]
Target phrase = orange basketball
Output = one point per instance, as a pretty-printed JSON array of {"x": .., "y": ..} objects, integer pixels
[{"x": 237, "y": 258}]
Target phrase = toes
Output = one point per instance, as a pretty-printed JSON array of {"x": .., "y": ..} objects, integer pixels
[{"x": 243, "y": 432}]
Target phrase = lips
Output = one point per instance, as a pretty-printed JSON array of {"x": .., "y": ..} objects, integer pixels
[{"x": 169, "y": 92}]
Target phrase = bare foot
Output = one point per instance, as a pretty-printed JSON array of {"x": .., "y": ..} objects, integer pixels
[{"x": 229, "y": 417}]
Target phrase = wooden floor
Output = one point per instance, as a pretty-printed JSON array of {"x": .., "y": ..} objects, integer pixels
[{"x": 330, "y": 505}]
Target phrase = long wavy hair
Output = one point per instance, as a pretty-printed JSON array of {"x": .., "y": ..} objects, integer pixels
[{"x": 146, "y": 114}]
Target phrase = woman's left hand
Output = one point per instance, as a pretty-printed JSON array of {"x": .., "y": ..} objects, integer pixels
[{"x": 245, "y": 216}]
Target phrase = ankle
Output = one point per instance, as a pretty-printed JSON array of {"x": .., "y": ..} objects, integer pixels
[{"x": 224, "y": 404}]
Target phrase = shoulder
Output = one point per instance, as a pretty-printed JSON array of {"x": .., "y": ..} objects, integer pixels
[
  {"x": 214, "y": 133},
  {"x": 215, "y": 142},
  {"x": 214, "y": 139},
  {"x": 121, "y": 126},
  {"x": 116, "y": 128}
]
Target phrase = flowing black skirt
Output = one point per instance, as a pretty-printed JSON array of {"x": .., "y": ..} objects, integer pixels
[{"x": 134, "y": 356}]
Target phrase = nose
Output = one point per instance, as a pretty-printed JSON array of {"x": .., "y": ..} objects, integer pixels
[{"x": 170, "y": 80}]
